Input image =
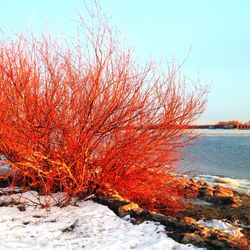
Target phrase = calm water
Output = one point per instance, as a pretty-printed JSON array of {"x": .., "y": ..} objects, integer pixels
[{"x": 221, "y": 153}]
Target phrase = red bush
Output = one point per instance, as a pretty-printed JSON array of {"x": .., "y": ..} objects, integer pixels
[{"x": 88, "y": 119}]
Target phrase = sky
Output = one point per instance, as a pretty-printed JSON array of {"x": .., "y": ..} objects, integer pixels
[{"x": 209, "y": 38}]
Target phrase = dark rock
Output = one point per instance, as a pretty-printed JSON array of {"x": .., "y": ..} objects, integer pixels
[
  {"x": 71, "y": 227},
  {"x": 236, "y": 199},
  {"x": 4, "y": 182},
  {"x": 173, "y": 224},
  {"x": 218, "y": 245},
  {"x": 200, "y": 212},
  {"x": 192, "y": 191},
  {"x": 113, "y": 203},
  {"x": 21, "y": 207},
  {"x": 206, "y": 192},
  {"x": 136, "y": 221},
  {"x": 192, "y": 238},
  {"x": 221, "y": 200}
]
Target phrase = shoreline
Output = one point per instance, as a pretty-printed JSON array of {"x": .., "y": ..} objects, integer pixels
[
  {"x": 217, "y": 206},
  {"x": 237, "y": 184},
  {"x": 206, "y": 223}
]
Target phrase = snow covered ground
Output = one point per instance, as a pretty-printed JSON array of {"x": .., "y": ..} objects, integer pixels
[{"x": 87, "y": 225}]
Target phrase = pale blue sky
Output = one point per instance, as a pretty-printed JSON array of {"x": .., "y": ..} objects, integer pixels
[{"x": 211, "y": 36}]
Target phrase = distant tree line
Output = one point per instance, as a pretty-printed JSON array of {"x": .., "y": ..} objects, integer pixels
[{"x": 224, "y": 125}]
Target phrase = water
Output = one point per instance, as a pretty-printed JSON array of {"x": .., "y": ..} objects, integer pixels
[{"x": 221, "y": 153}]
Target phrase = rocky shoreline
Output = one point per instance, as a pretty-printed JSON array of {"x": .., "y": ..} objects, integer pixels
[{"x": 206, "y": 203}]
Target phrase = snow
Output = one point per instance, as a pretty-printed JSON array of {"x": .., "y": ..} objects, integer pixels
[
  {"x": 224, "y": 226},
  {"x": 87, "y": 225}
]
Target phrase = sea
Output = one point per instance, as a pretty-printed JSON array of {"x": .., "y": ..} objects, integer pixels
[{"x": 220, "y": 156}]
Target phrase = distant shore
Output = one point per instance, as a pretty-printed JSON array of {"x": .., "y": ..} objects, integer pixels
[
  {"x": 215, "y": 127},
  {"x": 223, "y": 125}
]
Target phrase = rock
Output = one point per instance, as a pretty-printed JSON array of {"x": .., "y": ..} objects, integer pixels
[
  {"x": 192, "y": 238},
  {"x": 131, "y": 206},
  {"x": 126, "y": 209},
  {"x": 222, "y": 188},
  {"x": 236, "y": 201},
  {"x": 239, "y": 243},
  {"x": 201, "y": 183},
  {"x": 193, "y": 181},
  {"x": 200, "y": 226},
  {"x": 136, "y": 221},
  {"x": 194, "y": 187},
  {"x": 217, "y": 244},
  {"x": 206, "y": 191},
  {"x": 190, "y": 220},
  {"x": 171, "y": 223},
  {"x": 235, "y": 205},
  {"x": 21, "y": 207},
  {"x": 221, "y": 191},
  {"x": 112, "y": 203},
  {"x": 205, "y": 232},
  {"x": 208, "y": 185},
  {"x": 221, "y": 200},
  {"x": 222, "y": 194},
  {"x": 184, "y": 182},
  {"x": 247, "y": 195}
]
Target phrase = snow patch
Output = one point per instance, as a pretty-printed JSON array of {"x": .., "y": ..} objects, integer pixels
[
  {"x": 86, "y": 226},
  {"x": 223, "y": 226}
]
